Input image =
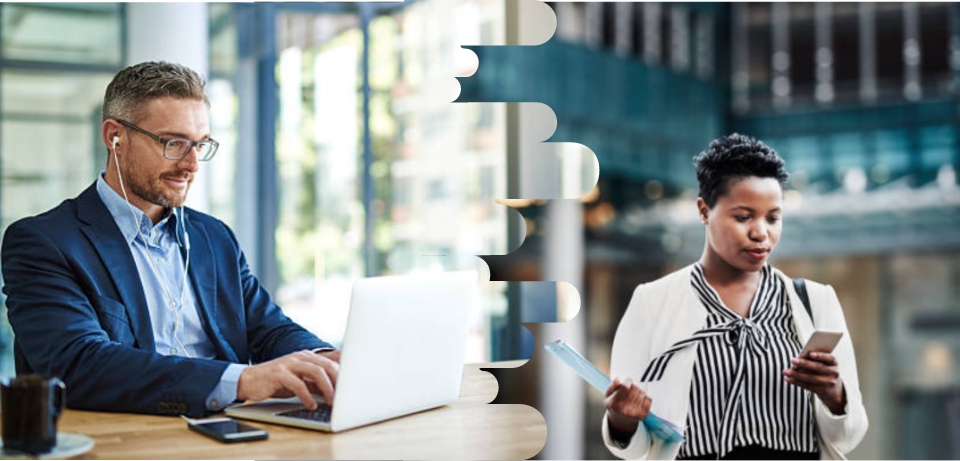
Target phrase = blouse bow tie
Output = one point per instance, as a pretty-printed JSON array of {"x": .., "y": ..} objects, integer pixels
[{"x": 741, "y": 331}]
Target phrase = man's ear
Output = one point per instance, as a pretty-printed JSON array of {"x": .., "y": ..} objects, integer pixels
[{"x": 110, "y": 132}]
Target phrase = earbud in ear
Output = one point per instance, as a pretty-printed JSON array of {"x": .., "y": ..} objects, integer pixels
[{"x": 116, "y": 139}]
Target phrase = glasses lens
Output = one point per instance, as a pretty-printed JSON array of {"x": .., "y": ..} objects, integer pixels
[
  {"x": 176, "y": 148},
  {"x": 206, "y": 149}
]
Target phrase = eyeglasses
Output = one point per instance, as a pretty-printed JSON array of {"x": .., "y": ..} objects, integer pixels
[{"x": 178, "y": 148}]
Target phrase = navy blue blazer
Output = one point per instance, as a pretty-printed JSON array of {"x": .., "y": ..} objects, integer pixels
[{"x": 78, "y": 311}]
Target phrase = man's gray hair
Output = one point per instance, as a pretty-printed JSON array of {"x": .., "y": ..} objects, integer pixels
[{"x": 140, "y": 83}]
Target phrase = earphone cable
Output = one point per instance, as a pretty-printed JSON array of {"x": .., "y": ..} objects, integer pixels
[{"x": 176, "y": 305}]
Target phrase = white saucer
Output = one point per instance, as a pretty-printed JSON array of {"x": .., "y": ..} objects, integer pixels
[{"x": 68, "y": 446}]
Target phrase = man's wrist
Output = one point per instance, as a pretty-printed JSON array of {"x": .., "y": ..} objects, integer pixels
[{"x": 227, "y": 389}]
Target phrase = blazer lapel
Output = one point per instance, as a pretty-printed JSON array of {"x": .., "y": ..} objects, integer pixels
[
  {"x": 114, "y": 252},
  {"x": 203, "y": 278}
]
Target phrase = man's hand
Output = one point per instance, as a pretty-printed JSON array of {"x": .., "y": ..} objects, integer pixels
[
  {"x": 332, "y": 355},
  {"x": 299, "y": 374}
]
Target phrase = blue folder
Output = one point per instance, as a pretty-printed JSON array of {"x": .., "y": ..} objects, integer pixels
[{"x": 657, "y": 426}]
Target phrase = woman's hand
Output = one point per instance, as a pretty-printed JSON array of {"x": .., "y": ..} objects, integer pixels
[
  {"x": 818, "y": 373},
  {"x": 627, "y": 405}
]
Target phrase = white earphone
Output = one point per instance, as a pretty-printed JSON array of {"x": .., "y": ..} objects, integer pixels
[{"x": 116, "y": 139}]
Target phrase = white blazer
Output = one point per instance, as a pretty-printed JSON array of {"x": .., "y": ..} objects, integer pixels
[{"x": 668, "y": 310}]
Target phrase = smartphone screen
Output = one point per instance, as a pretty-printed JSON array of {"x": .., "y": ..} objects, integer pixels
[
  {"x": 821, "y": 341},
  {"x": 229, "y": 430}
]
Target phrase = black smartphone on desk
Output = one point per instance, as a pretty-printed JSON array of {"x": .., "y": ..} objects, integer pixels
[{"x": 227, "y": 430}]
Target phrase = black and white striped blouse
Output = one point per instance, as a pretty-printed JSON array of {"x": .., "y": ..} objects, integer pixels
[{"x": 738, "y": 396}]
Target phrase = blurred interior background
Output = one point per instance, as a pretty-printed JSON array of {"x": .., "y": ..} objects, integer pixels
[{"x": 337, "y": 161}]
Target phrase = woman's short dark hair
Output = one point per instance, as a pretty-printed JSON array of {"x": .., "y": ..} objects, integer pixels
[{"x": 732, "y": 158}]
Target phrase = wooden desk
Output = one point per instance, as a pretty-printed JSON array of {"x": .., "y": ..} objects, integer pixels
[{"x": 465, "y": 429}]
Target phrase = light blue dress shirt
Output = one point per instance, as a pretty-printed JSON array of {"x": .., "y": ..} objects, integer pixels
[{"x": 166, "y": 274}]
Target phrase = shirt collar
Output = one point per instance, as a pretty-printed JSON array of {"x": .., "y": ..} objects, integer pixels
[
  {"x": 711, "y": 299},
  {"x": 120, "y": 210}
]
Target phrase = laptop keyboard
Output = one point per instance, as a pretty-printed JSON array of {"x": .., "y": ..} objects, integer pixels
[{"x": 321, "y": 414}]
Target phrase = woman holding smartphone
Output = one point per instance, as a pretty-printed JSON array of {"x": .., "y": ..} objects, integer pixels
[{"x": 715, "y": 346}]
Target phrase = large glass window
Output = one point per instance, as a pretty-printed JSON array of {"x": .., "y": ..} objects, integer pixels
[
  {"x": 449, "y": 160},
  {"x": 50, "y": 137},
  {"x": 320, "y": 232},
  {"x": 435, "y": 168},
  {"x": 221, "y": 90},
  {"x": 79, "y": 33},
  {"x": 55, "y": 61}
]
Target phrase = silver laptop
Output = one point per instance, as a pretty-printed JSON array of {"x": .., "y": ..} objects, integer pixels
[{"x": 402, "y": 353}]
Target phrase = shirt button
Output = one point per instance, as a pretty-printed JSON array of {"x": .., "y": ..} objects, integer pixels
[
  {"x": 213, "y": 404},
  {"x": 173, "y": 351}
]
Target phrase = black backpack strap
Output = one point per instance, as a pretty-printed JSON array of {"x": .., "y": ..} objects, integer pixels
[{"x": 801, "y": 286}]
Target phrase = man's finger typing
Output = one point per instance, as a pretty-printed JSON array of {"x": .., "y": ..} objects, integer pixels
[{"x": 299, "y": 374}]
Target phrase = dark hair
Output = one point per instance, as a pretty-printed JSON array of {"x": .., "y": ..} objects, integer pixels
[
  {"x": 140, "y": 83},
  {"x": 732, "y": 158}
]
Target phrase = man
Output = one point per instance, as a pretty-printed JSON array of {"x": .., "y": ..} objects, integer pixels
[{"x": 138, "y": 304}]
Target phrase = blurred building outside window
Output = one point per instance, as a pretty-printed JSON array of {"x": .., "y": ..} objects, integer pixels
[
  {"x": 435, "y": 170},
  {"x": 222, "y": 94}
]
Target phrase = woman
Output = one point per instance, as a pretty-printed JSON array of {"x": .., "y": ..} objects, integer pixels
[{"x": 715, "y": 346}]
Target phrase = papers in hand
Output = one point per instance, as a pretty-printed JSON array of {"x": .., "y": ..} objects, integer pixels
[{"x": 657, "y": 426}]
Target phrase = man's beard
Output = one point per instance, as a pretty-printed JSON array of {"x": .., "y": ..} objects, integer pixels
[{"x": 151, "y": 190}]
